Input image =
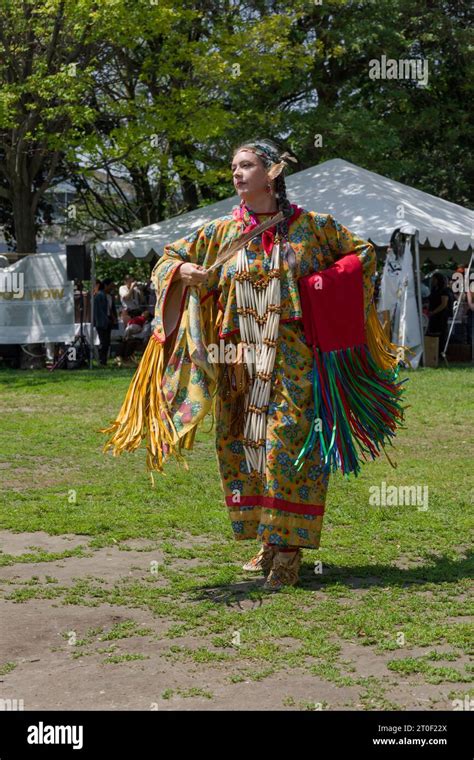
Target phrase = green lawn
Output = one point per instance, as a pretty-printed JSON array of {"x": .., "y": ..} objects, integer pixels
[{"x": 395, "y": 580}]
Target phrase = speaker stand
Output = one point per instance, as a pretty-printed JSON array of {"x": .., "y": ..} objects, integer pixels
[{"x": 79, "y": 345}]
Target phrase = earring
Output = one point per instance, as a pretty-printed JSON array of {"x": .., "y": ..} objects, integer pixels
[{"x": 268, "y": 188}]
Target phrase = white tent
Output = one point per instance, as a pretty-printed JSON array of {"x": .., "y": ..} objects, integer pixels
[{"x": 365, "y": 202}]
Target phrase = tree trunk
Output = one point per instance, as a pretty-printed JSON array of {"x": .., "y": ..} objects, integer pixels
[
  {"x": 190, "y": 196},
  {"x": 23, "y": 219}
]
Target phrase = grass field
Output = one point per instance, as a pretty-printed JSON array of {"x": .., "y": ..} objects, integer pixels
[{"x": 115, "y": 594}]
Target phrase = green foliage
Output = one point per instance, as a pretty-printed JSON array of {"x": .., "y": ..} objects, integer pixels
[
  {"x": 140, "y": 104},
  {"x": 106, "y": 267}
]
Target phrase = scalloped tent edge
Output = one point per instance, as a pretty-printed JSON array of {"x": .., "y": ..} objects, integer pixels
[{"x": 367, "y": 203}]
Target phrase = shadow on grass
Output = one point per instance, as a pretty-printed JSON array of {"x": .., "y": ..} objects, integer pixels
[
  {"x": 435, "y": 570},
  {"x": 241, "y": 595},
  {"x": 438, "y": 569}
]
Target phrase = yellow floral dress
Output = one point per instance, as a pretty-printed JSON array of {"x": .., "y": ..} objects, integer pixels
[{"x": 287, "y": 506}]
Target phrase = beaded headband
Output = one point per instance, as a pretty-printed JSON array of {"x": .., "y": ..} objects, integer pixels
[{"x": 270, "y": 157}]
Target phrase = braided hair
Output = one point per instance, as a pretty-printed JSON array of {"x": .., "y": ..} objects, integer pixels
[{"x": 270, "y": 153}]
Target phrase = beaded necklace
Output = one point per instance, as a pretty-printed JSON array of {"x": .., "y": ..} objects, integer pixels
[{"x": 259, "y": 309}]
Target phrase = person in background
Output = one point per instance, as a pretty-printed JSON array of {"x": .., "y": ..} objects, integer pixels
[
  {"x": 131, "y": 299},
  {"x": 137, "y": 334},
  {"x": 137, "y": 326},
  {"x": 438, "y": 309},
  {"x": 105, "y": 316},
  {"x": 425, "y": 292},
  {"x": 150, "y": 296}
]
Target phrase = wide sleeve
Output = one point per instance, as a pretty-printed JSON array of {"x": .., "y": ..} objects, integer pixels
[
  {"x": 185, "y": 325},
  {"x": 174, "y": 386},
  {"x": 335, "y": 241},
  {"x": 200, "y": 247}
]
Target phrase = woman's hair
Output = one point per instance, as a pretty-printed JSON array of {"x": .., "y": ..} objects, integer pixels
[{"x": 269, "y": 153}]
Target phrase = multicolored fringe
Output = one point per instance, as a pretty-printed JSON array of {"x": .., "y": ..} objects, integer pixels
[
  {"x": 357, "y": 402},
  {"x": 144, "y": 415}
]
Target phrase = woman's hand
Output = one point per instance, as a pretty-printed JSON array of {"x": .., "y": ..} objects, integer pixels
[{"x": 191, "y": 274}]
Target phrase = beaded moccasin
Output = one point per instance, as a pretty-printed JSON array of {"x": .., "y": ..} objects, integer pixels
[
  {"x": 284, "y": 571},
  {"x": 262, "y": 562}
]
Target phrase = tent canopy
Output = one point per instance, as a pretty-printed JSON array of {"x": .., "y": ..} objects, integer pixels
[{"x": 365, "y": 202}]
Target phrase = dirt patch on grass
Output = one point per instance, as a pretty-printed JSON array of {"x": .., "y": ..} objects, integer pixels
[
  {"x": 24, "y": 543},
  {"x": 48, "y": 677},
  {"x": 77, "y": 656},
  {"x": 108, "y": 564},
  {"x": 52, "y": 672},
  {"x": 411, "y": 692}
]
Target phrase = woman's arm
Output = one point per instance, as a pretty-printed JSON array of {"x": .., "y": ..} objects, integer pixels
[
  {"x": 127, "y": 293},
  {"x": 183, "y": 265},
  {"x": 336, "y": 240}
]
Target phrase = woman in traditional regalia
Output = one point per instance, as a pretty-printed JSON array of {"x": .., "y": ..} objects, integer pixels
[{"x": 229, "y": 338}]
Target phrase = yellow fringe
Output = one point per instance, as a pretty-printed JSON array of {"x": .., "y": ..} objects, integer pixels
[
  {"x": 137, "y": 418},
  {"x": 383, "y": 351},
  {"x": 144, "y": 400}
]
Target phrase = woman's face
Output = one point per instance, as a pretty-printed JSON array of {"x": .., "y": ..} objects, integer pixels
[{"x": 249, "y": 175}]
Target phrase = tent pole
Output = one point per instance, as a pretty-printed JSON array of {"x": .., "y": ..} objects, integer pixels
[
  {"x": 451, "y": 328},
  {"x": 455, "y": 313},
  {"x": 91, "y": 332},
  {"x": 469, "y": 286},
  {"x": 420, "y": 303}
]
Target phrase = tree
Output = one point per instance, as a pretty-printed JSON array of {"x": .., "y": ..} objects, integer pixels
[
  {"x": 140, "y": 104},
  {"x": 47, "y": 55},
  {"x": 169, "y": 99}
]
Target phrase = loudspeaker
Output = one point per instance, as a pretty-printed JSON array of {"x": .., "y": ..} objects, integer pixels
[{"x": 78, "y": 262}]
